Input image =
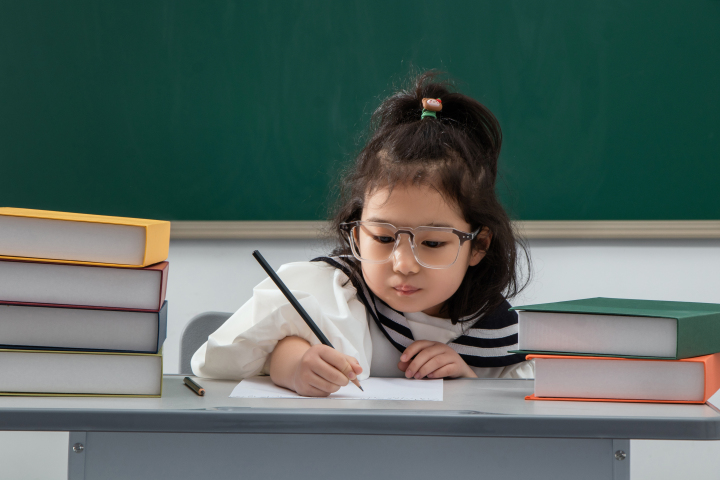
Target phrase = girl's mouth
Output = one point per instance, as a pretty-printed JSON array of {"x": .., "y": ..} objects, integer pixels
[{"x": 406, "y": 290}]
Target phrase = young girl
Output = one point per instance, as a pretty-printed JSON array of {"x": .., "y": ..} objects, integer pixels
[{"x": 417, "y": 285}]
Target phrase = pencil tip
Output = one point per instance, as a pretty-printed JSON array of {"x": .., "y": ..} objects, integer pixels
[{"x": 361, "y": 388}]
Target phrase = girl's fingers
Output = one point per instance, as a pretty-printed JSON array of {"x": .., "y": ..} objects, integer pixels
[
  {"x": 323, "y": 385},
  {"x": 423, "y": 357},
  {"x": 330, "y": 373},
  {"x": 402, "y": 366},
  {"x": 357, "y": 369},
  {"x": 407, "y": 358},
  {"x": 310, "y": 391},
  {"x": 323, "y": 370},
  {"x": 414, "y": 348},
  {"x": 348, "y": 371},
  {"x": 334, "y": 367},
  {"x": 436, "y": 362},
  {"x": 433, "y": 364},
  {"x": 353, "y": 368},
  {"x": 442, "y": 372}
]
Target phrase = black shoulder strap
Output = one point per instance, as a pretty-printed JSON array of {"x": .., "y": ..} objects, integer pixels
[{"x": 486, "y": 342}]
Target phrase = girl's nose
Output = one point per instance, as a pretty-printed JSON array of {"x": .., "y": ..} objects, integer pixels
[{"x": 404, "y": 261}]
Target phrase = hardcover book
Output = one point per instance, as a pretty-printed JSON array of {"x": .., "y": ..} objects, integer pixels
[
  {"x": 689, "y": 380},
  {"x": 24, "y": 282},
  {"x": 620, "y": 328},
  {"x": 51, "y": 373},
  {"x": 81, "y": 238},
  {"x": 73, "y": 328}
]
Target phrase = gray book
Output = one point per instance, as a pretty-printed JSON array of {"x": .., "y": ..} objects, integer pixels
[{"x": 64, "y": 328}]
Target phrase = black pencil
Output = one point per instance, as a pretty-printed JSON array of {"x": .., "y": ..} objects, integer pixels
[{"x": 296, "y": 305}]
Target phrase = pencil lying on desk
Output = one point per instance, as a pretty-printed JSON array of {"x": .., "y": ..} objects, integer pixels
[
  {"x": 293, "y": 301},
  {"x": 194, "y": 386}
]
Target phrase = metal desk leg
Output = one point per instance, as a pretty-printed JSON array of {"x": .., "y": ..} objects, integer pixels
[
  {"x": 621, "y": 460},
  {"x": 76, "y": 455}
]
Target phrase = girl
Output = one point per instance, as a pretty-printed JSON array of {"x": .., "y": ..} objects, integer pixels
[{"x": 417, "y": 285}]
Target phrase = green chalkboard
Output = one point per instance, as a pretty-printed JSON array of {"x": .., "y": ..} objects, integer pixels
[{"x": 236, "y": 110}]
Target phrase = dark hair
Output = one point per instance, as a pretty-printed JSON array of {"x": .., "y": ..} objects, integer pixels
[{"x": 455, "y": 153}]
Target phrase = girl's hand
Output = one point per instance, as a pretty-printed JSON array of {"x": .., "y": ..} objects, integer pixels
[
  {"x": 433, "y": 360},
  {"x": 322, "y": 370}
]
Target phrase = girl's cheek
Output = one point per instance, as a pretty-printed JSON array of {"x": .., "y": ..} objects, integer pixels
[{"x": 375, "y": 276}]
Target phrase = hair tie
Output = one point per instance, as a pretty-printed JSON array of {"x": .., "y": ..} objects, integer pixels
[{"x": 430, "y": 106}]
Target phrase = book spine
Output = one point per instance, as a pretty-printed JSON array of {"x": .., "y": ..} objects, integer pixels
[
  {"x": 163, "y": 284},
  {"x": 162, "y": 326},
  {"x": 712, "y": 376},
  {"x": 698, "y": 335},
  {"x": 157, "y": 243}
]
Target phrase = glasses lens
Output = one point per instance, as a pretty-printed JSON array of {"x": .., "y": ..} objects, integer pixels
[
  {"x": 373, "y": 242},
  {"x": 436, "y": 248}
]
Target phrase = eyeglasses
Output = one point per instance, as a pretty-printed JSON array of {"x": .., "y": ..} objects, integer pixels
[{"x": 433, "y": 247}]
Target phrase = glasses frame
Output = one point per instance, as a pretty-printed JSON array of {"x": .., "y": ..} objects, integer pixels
[{"x": 348, "y": 228}]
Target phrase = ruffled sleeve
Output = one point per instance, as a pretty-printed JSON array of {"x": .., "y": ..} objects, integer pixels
[
  {"x": 519, "y": 370},
  {"x": 240, "y": 348}
]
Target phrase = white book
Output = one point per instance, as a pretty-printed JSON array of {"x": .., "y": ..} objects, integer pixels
[
  {"x": 24, "y": 326},
  {"x": 84, "y": 285},
  {"x": 79, "y": 373},
  {"x": 600, "y": 334},
  {"x": 76, "y": 237}
]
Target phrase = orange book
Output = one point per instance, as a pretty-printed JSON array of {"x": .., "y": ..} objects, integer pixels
[
  {"x": 39, "y": 235},
  {"x": 615, "y": 379}
]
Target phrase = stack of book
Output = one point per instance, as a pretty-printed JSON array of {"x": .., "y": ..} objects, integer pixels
[
  {"x": 82, "y": 303},
  {"x": 608, "y": 349}
]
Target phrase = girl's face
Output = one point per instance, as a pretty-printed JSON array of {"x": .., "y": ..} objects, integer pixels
[{"x": 402, "y": 282}]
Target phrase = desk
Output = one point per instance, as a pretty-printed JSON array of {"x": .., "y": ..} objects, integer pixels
[{"x": 483, "y": 429}]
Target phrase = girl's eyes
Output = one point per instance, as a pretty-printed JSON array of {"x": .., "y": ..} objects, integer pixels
[
  {"x": 384, "y": 239},
  {"x": 426, "y": 243},
  {"x": 432, "y": 244}
]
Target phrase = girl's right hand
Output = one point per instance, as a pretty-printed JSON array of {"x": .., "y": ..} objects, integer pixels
[{"x": 322, "y": 370}]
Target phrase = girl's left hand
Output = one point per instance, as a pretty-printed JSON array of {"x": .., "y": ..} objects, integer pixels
[{"x": 433, "y": 360}]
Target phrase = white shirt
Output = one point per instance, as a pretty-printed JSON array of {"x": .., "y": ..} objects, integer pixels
[{"x": 241, "y": 347}]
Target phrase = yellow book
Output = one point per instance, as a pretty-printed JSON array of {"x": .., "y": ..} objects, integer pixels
[
  {"x": 59, "y": 237},
  {"x": 80, "y": 374}
]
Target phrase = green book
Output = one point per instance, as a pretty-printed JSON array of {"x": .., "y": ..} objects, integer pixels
[{"x": 620, "y": 328}]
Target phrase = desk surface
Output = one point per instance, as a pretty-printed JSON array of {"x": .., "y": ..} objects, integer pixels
[{"x": 483, "y": 407}]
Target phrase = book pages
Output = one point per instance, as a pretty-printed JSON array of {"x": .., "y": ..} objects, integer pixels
[
  {"x": 602, "y": 334},
  {"x": 619, "y": 379},
  {"x": 43, "y": 238}
]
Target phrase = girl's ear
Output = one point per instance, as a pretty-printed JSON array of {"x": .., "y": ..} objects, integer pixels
[{"x": 481, "y": 247}]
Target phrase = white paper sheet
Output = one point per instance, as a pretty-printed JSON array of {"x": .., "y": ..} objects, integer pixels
[{"x": 375, "y": 389}]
